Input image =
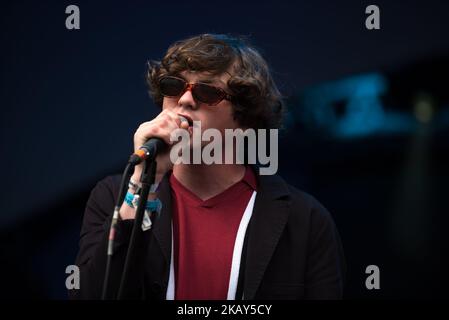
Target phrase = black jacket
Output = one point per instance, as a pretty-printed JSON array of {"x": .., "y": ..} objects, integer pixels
[{"x": 292, "y": 249}]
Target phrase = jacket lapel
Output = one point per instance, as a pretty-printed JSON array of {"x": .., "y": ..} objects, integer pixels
[
  {"x": 162, "y": 227},
  {"x": 267, "y": 223}
]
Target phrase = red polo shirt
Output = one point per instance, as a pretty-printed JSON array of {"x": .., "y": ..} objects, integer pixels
[{"x": 204, "y": 233}]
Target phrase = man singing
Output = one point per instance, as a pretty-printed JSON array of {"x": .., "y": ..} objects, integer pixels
[{"x": 223, "y": 231}]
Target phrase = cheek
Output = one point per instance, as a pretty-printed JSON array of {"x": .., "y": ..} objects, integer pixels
[
  {"x": 227, "y": 118},
  {"x": 168, "y": 103},
  {"x": 220, "y": 118}
]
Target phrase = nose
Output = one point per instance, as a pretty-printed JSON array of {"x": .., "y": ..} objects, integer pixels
[{"x": 187, "y": 100}]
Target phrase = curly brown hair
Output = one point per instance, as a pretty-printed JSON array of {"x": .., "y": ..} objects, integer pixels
[{"x": 257, "y": 101}]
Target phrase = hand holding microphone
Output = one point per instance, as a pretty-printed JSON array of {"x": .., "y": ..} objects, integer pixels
[{"x": 153, "y": 137}]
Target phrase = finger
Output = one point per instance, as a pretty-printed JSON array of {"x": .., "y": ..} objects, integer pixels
[
  {"x": 172, "y": 116},
  {"x": 184, "y": 124}
]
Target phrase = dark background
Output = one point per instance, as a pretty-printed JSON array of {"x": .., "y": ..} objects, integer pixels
[{"x": 72, "y": 99}]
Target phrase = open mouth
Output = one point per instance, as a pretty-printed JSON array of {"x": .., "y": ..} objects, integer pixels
[{"x": 186, "y": 118}]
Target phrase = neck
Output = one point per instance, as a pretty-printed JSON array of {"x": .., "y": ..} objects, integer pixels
[{"x": 206, "y": 181}]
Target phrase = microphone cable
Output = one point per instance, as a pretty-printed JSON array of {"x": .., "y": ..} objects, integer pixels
[{"x": 112, "y": 229}]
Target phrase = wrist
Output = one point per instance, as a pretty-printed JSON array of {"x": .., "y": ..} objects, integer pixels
[
  {"x": 136, "y": 175},
  {"x": 136, "y": 178},
  {"x": 134, "y": 187}
]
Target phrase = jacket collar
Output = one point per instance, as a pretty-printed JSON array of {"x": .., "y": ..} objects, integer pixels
[
  {"x": 162, "y": 230},
  {"x": 269, "y": 218}
]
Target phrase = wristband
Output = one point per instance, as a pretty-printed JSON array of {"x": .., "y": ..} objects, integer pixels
[
  {"x": 132, "y": 200},
  {"x": 152, "y": 207}
]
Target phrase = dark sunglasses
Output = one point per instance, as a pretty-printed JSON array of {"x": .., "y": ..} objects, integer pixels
[{"x": 174, "y": 87}]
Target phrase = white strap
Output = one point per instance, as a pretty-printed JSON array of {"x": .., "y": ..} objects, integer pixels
[
  {"x": 170, "y": 295},
  {"x": 238, "y": 246}
]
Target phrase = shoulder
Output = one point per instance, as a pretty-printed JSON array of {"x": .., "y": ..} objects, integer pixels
[
  {"x": 307, "y": 202},
  {"x": 110, "y": 182},
  {"x": 102, "y": 198},
  {"x": 276, "y": 188},
  {"x": 305, "y": 211},
  {"x": 107, "y": 187},
  {"x": 307, "y": 215}
]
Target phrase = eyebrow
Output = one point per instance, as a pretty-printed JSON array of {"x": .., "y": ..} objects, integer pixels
[
  {"x": 213, "y": 81},
  {"x": 206, "y": 80}
]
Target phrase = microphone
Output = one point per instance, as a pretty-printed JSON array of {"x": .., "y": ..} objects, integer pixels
[{"x": 150, "y": 149}]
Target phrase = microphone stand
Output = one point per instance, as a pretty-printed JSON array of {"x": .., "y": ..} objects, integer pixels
[{"x": 147, "y": 179}]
